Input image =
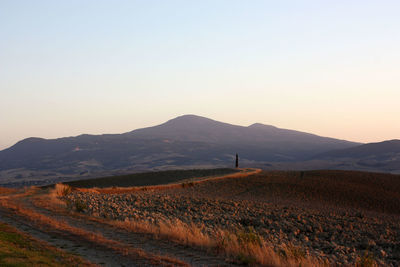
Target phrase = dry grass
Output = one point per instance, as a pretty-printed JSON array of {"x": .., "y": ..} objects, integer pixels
[
  {"x": 54, "y": 194},
  {"x": 61, "y": 190},
  {"x": 244, "y": 245}
]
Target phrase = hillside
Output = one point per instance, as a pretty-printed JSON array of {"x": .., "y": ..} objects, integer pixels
[
  {"x": 373, "y": 156},
  {"x": 184, "y": 142},
  {"x": 384, "y": 150}
]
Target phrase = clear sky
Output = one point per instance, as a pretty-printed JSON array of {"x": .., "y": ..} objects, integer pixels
[{"x": 327, "y": 67}]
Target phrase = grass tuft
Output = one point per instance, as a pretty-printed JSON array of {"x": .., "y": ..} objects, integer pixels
[{"x": 62, "y": 190}]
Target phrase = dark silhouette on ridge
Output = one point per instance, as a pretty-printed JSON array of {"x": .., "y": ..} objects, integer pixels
[{"x": 237, "y": 161}]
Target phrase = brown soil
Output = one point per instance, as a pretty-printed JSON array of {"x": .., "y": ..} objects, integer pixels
[{"x": 336, "y": 215}]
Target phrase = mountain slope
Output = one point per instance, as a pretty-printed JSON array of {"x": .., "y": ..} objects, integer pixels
[
  {"x": 186, "y": 141},
  {"x": 382, "y": 156},
  {"x": 383, "y": 149},
  {"x": 200, "y": 129}
]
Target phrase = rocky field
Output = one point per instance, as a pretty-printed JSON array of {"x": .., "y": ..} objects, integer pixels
[{"x": 339, "y": 216}]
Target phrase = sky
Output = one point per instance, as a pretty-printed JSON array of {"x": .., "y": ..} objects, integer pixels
[{"x": 326, "y": 67}]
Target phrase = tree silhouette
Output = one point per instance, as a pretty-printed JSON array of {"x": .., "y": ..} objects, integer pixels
[{"x": 237, "y": 161}]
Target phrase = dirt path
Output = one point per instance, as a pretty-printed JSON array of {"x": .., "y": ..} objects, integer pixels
[
  {"x": 97, "y": 242},
  {"x": 55, "y": 238}
]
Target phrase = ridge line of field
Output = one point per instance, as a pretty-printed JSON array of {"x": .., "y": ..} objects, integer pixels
[{"x": 188, "y": 182}]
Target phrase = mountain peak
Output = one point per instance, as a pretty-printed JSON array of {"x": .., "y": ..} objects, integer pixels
[
  {"x": 192, "y": 121},
  {"x": 189, "y": 118},
  {"x": 260, "y": 125}
]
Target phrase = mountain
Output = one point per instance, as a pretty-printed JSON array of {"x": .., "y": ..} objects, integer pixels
[
  {"x": 184, "y": 142},
  {"x": 199, "y": 129},
  {"x": 373, "y": 156}
]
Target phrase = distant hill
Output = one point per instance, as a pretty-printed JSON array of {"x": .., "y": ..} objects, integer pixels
[
  {"x": 187, "y": 141},
  {"x": 378, "y": 156},
  {"x": 381, "y": 150}
]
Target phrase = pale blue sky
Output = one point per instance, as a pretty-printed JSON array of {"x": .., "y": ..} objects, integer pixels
[{"x": 326, "y": 67}]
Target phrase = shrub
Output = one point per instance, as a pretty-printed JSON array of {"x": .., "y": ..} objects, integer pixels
[{"x": 62, "y": 190}]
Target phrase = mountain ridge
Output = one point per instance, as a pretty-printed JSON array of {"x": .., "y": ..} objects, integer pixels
[
  {"x": 365, "y": 150},
  {"x": 180, "y": 121},
  {"x": 187, "y": 141},
  {"x": 188, "y": 128}
]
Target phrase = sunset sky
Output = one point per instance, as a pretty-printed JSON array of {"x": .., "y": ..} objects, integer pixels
[{"x": 326, "y": 67}]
